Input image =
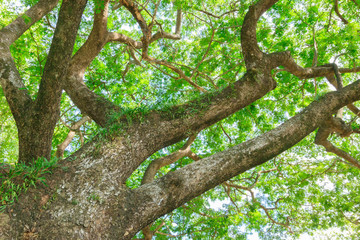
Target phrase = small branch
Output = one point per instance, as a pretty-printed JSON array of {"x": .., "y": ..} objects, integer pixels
[
  {"x": 73, "y": 129},
  {"x": 339, "y": 126},
  {"x": 48, "y": 22},
  {"x": 37, "y": 52},
  {"x": 161, "y": 34},
  {"x": 133, "y": 9},
  {"x": 355, "y": 221},
  {"x": 315, "y": 59},
  {"x": 154, "y": 15},
  {"x": 175, "y": 69},
  {"x": 167, "y": 160},
  {"x": 336, "y": 7},
  {"x": 254, "y": 200},
  {"x": 354, "y": 1},
  {"x": 205, "y": 54},
  {"x": 227, "y": 135},
  {"x": 216, "y": 16},
  {"x": 285, "y": 59},
  {"x": 161, "y": 162},
  {"x": 329, "y": 22}
]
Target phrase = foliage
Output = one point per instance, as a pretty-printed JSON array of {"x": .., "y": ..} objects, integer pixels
[
  {"x": 306, "y": 187},
  {"x": 17, "y": 179}
]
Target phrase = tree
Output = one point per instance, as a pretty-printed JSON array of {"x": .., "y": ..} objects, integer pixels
[{"x": 148, "y": 90}]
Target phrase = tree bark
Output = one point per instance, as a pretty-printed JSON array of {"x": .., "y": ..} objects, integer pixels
[
  {"x": 86, "y": 198},
  {"x": 36, "y": 120},
  {"x": 103, "y": 208}
]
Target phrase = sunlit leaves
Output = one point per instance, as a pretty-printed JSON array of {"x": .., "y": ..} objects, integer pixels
[{"x": 306, "y": 188}]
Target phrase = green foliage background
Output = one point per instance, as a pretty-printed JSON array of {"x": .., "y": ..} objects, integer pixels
[{"x": 307, "y": 188}]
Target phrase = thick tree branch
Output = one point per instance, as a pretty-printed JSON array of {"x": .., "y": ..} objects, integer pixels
[
  {"x": 96, "y": 107},
  {"x": 101, "y": 170},
  {"x": 15, "y": 29},
  {"x": 14, "y": 89},
  {"x": 252, "y": 53},
  {"x": 60, "y": 54},
  {"x": 178, "y": 187},
  {"x": 43, "y": 114},
  {"x": 10, "y": 80}
]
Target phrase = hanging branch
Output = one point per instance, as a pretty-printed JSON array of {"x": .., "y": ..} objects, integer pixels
[
  {"x": 336, "y": 7},
  {"x": 343, "y": 130},
  {"x": 336, "y": 124}
]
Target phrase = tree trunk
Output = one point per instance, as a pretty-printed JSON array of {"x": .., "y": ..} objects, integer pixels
[
  {"x": 104, "y": 208},
  {"x": 86, "y": 196}
]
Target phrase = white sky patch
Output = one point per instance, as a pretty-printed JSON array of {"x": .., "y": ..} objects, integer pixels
[
  {"x": 218, "y": 204},
  {"x": 326, "y": 184}
]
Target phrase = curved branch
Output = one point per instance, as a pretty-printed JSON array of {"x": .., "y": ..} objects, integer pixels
[
  {"x": 15, "y": 29},
  {"x": 96, "y": 107},
  {"x": 122, "y": 38},
  {"x": 167, "y": 160},
  {"x": 175, "y": 69},
  {"x": 340, "y": 127},
  {"x": 176, "y": 188},
  {"x": 97, "y": 39},
  {"x": 285, "y": 59},
  {"x": 161, "y": 34},
  {"x": 133, "y": 9},
  {"x": 75, "y": 127},
  {"x": 336, "y": 7},
  {"x": 162, "y": 162},
  {"x": 252, "y": 53},
  {"x": 14, "y": 88},
  {"x": 15, "y": 91}
]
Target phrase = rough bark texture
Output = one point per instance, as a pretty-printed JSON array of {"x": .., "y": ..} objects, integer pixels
[
  {"x": 103, "y": 208},
  {"x": 86, "y": 197},
  {"x": 36, "y": 120},
  {"x": 43, "y": 114}
]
